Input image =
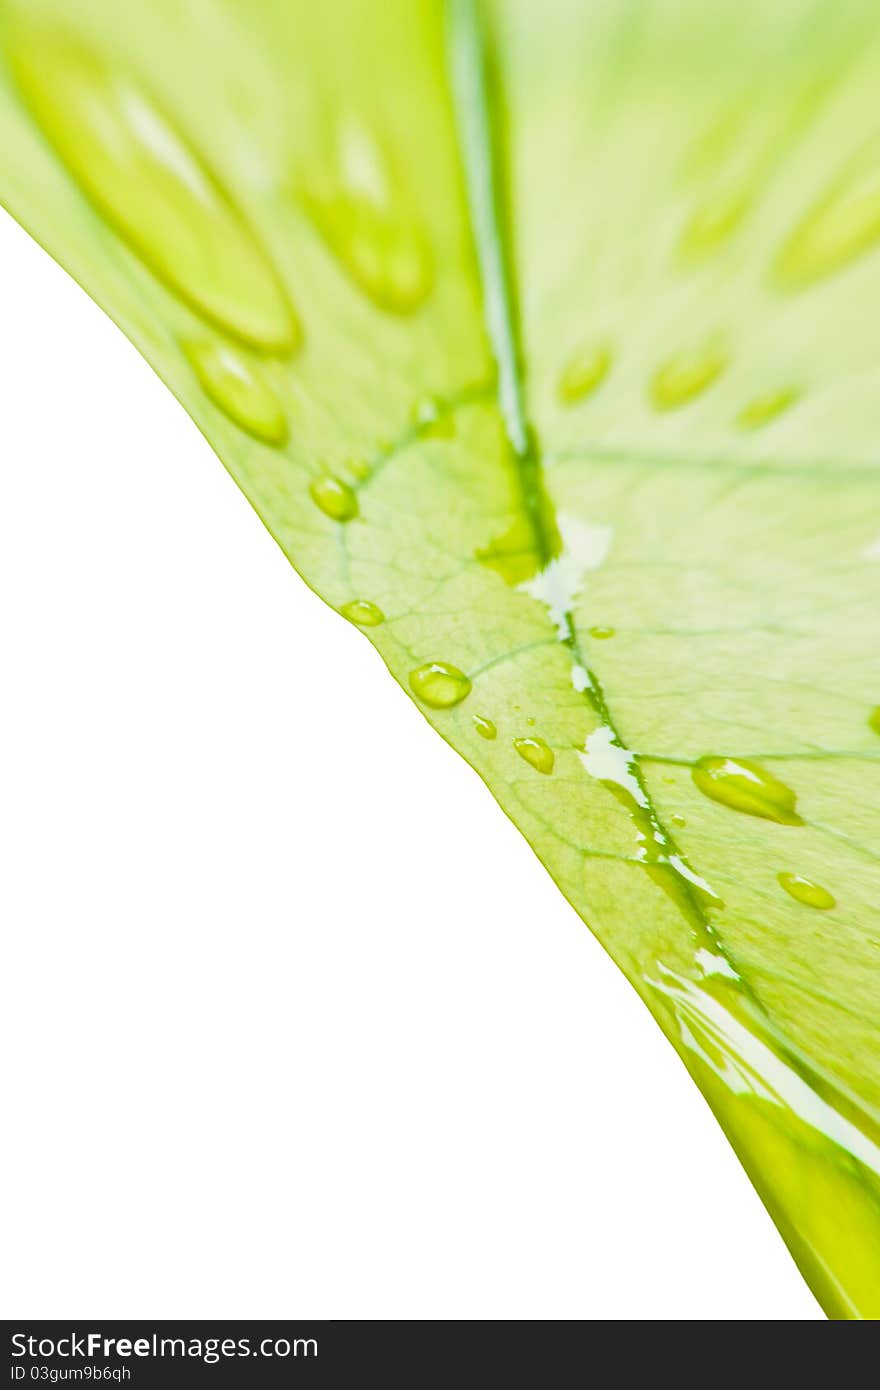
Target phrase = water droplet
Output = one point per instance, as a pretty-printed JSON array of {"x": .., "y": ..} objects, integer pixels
[
  {"x": 536, "y": 753},
  {"x": 677, "y": 820},
  {"x": 713, "y": 222},
  {"x": 805, "y": 891},
  {"x": 238, "y": 388},
  {"x": 439, "y": 685},
  {"x": 362, "y": 612},
  {"x": 363, "y": 220},
  {"x": 842, "y": 226},
  {"x": 433, "y": 420},
  {"x": 746, "y": 786},
  {"x": 530, "y": 721},
  {"x": 152, "y": 186},
  {"x": 484, "y": 727},
  {"x": 602, "y": 634},
  {"x": 335, "y": 498},
  {"x": 685, "y": 376},
  {"x": 763, "y": 409},
  {"x": 874, "y": 719},
  {"x": 584, "y": 374}
]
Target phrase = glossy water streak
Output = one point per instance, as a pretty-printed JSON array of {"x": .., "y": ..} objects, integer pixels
[
  {"x": 745, "y": 786},
  {"x": 806, "y": 891},
  {"x": 616, "y": 767},
  {"x": 362, "y": 612},
  {"x": 536, "y": 753},
  {"x": 809, "y": 1147},
  {"x": 584, "y": 547},
  {"x": 439, "y": 684},
  {"x": 335, "y": 498},
  {"x": 153, "y": 187},
  {"x": 484, "y": 727},
  {"x": 239, "y": 389}
]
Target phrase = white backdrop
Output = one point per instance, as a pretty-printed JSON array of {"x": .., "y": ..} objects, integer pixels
[{"x": 295, "y": 1024}]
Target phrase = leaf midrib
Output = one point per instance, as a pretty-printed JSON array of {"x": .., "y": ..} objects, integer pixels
[
  {"x": 476, "y": 120},
  {"x": 477, "y": 126}
]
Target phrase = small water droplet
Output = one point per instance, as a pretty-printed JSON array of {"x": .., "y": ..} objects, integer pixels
[
  {"x": 439, "y": 684},
  {"x": 805, "y": 891},
  {"x": 364, "y": 221},
  {"x": 154, "y": 189},
  {"x": 713, "y": 222},
  {"x": 584, "y": 373},
  {"x": 602, "y": 634},
  {"x": 530, "y": 721},
  {"x": 433, "y": 420},
  {"x": 745, "y": 786},
  {"x": 362, "y": 612},
  {"x": 677, "y": 820},
  {"x": 238, "y": 388},
  {"x": 484, "y": 727},
  {"x": 763, "y": 409},
  {"x": 536, "y": 753},
  {"x": 874, "y": 719},
  {"x": 335, "y": 498},
  {"x": 686, "y": 376},
  {"x": 842, "y": 226}
]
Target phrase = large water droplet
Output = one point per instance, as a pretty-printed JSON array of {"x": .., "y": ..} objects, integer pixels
[
  {"x": 238, "y": 388},
  {"x": 484, "y": 727},
  {"x": 584, "y": 373},
  {"x": 685, "y": 376},
  {"x": 536, "y": 753},
  {"x": 363, "y": 218},
  {"x": 745, "y": 786},
  {"x": 806, "y": 891},
  {"x": 153, "y": 187},
  {"x": 362, "y": 612},
  {"x": 842, "y": 226},
  {"x": 763, "y": 409},
  {"x": 439, "y": 685},
  {"x": 335, "y": 498}
]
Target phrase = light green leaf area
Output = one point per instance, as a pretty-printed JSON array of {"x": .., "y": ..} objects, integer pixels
[{"x": 545, "y": 340}]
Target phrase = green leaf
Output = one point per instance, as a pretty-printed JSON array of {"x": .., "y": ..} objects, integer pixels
[{"x": 543, "y": 338}]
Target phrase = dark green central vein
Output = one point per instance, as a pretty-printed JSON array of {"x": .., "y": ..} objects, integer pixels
[
  {"x": 478, "y": 134},
  {"x": 476, "y": 107},
  {"x": 475, "y": 100}
]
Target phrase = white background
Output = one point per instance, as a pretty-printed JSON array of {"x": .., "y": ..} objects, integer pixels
[{"x": 294, "y": 1022}]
